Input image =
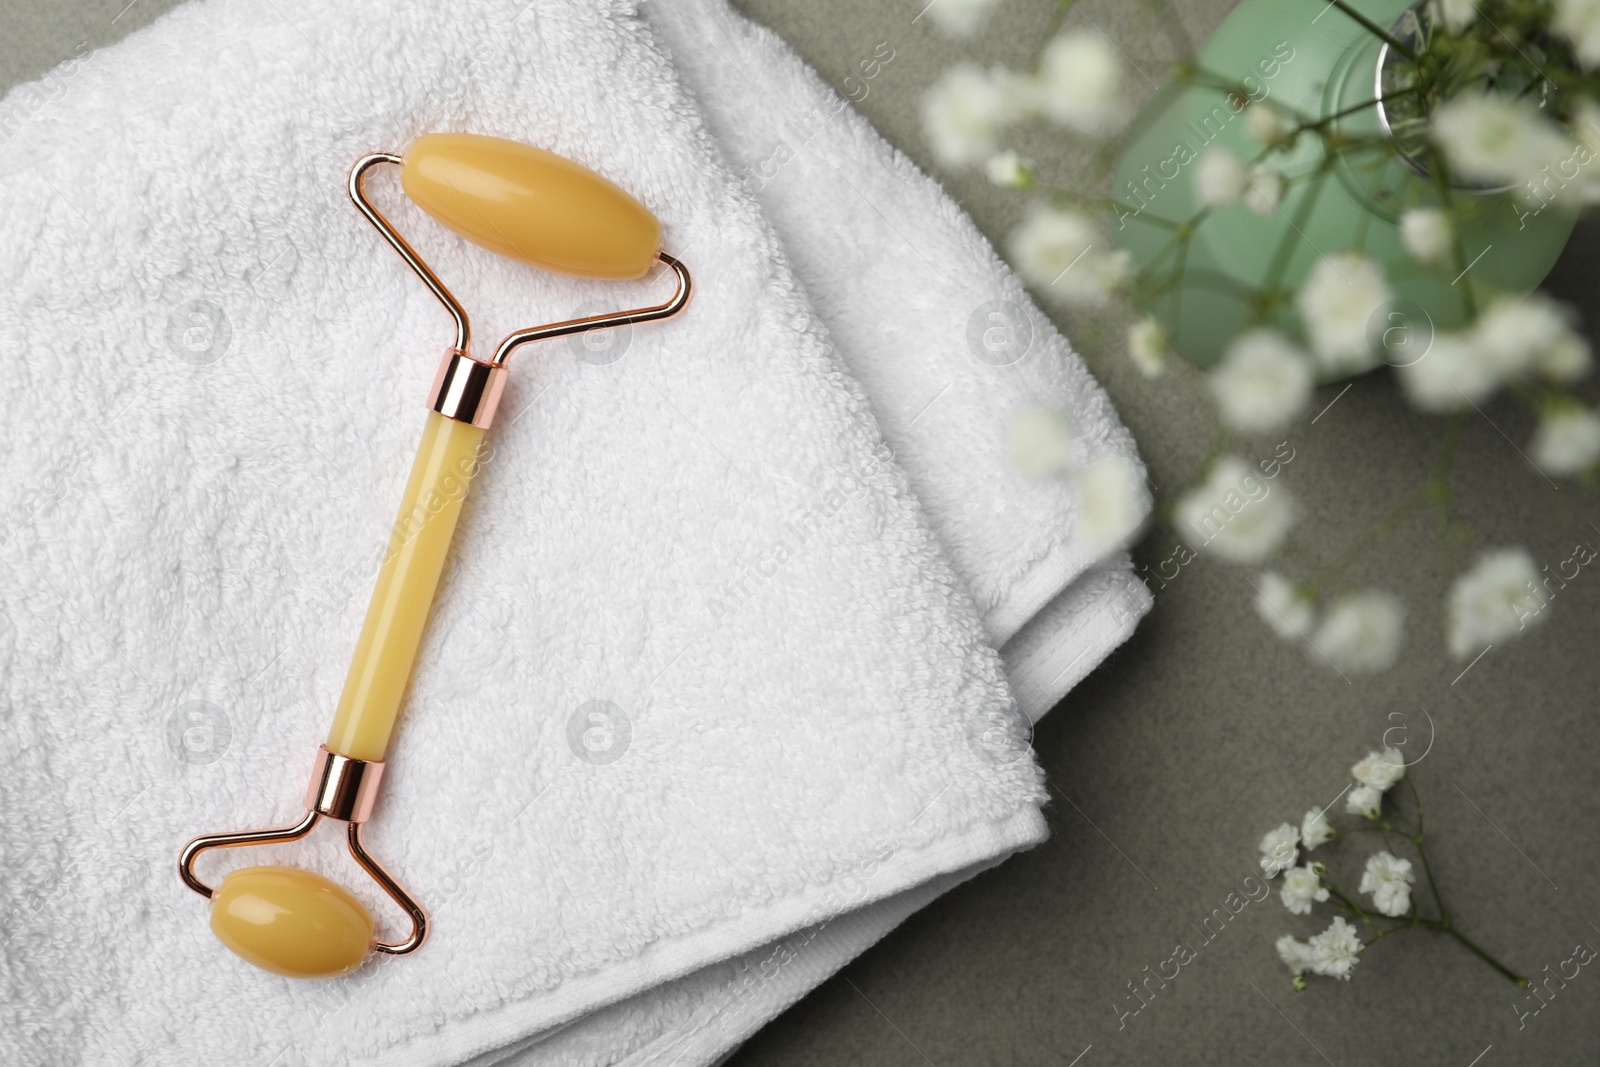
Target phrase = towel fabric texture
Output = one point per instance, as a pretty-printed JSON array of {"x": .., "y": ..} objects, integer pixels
[{"x": 773, "y": 543}]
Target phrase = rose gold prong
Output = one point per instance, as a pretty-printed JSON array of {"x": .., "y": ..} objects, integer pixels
[
  {"x": 419, "y": 917},
  {"x": 358, "y": 193},
  {"x": 192, "y": 850},
  {"x": 341, "y": 788},
  {"x": 459, "y": 367},
  {"x": 674, "y": 304}
]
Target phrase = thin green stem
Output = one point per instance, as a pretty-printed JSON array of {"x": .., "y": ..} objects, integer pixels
[
  {"x": 1376, "y": 30},
  {"x": 1288, "y": 242},
  {"x": 1347, "y": 900},
  {"x": 1383, "y": 932},
  {"x": 1422, "y": 853},
  {"x": 1440, "y": 169},
  {"x": 1416, "y": 801},
  {"x": 1377, "y": 535},
  {"x": 1200, "y": 279},
  {"x": 1433, "y": 886},
  {"x": 1154, "y": 220},
  {"x": 1177, "y": 290},
  {"x": 1515, "y": 978},
  {"x": 1201, "y": 78},
  {"x": 1185, "y": 232},
  {"x": 1355, "y": 108}
]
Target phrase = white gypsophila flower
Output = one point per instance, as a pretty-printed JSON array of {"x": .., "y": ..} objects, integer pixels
[
  {"x": 1315, "y": 829},
  {"x": 1334, "y": 951},
  {"x": 1115, "y": 503},
  {"x": 1041, "y": 442},
  {"x": 964, "y": 112},
  {"x": 1009, "y": 170},
  {"x": 961, "y": 18},
  {"x": 1428, "y": 235},
  {"x": 1494, "y": 601},
  {"x": 1267, "y": 126},
  {"x": 1296, "y": 955},
  {"x": 1365, "y": 801},
  {"x": 1458, "y": 14},
  {"x": 1281, "y": 605},
  {"x": 1266, "y": 188},
  {"x": 1361, "y": 633},
  {"x": 1220, "y": 177},
  {"x": 1389, "y": 879},
  {"x": 1566, "y": 360},
  {"x": 1579, "y": 22},
  {"x": 1262, "y": 382},
  {"x": 1063, "y": 254},
  {"x": 1451, "y": 375},
  {"x": 1236, "y": 512},
  {"x": 1148, "y": 346},
  {"x": 1337, "y": 302},
  {"x": 1380, "y": 770},
  {"x": 1567, "y": 441},
  {"x": 1279, "y": 849},
  {"x": 1512, "y": 333},
  {"x": 1080, "y": 83},
  {"x": 1497, "y": 139},
  {"x": 1301, "y": 888}
]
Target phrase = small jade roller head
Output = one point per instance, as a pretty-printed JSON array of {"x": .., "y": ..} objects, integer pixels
[
  {"x": 529, "y": 205},
  {"x": 291, "y": 922}
]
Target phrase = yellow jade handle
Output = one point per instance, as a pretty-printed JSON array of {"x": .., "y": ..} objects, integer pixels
[{"x": 447, "y": 460}]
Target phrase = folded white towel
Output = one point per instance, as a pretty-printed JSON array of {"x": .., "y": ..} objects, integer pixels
[
  {"x": 806, "y": 752},
  {"x": 942, "y": 336},
  {"x": 909, "y": 289},
  {"x": 896, "y": 272}
]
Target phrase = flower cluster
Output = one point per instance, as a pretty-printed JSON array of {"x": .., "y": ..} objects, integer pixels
[
  {"x": 1467, "y": 128},
  {"x": 1387, "y": 879},
  {"x": 1530, "y": 341},
  {"x": 1076, "y": 85},
  {"x": 1111, "y": 493},
  {"x": 1265, "y": 378}
]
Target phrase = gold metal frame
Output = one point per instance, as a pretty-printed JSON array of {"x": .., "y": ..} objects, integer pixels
[{"x": 341, "y": 788}]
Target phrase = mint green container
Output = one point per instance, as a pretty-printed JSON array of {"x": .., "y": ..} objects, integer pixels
[{"x": 1318, "y": 64}]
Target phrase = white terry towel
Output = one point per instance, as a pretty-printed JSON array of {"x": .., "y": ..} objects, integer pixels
[
  {"x": 1043, "y": 644},
  {"x": 908, "y": 287},
  {"x": 896, "y": 272},
  {"x": 807, "y": 753}
]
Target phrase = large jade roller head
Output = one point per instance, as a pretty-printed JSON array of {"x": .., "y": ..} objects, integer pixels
[
  {"x": 532, "y": 205},
  {"x": 529, "y": 205}
]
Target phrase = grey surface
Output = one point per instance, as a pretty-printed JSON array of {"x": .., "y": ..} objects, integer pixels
[{"x": 1204, "y": 731}]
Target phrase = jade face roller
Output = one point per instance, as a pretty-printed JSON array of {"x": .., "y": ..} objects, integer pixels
[{"x": 532, "y": 206}]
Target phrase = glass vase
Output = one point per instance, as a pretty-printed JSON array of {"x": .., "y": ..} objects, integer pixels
[{"x": 1240, "y": 268}]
